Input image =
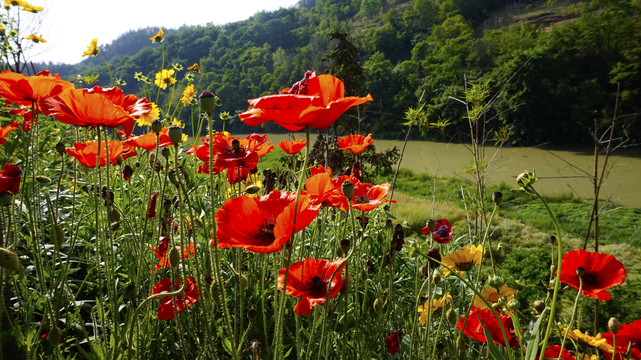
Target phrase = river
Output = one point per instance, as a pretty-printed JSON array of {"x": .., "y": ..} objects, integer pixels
[{"x": 559, "y": 170}]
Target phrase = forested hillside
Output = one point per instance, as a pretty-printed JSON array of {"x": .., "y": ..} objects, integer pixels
[{"x": 548, "y": 69}]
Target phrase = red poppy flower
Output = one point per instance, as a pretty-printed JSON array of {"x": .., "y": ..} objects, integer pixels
[
  {"x": 315, "y": 101},
  {"x": 10, "y": 178},
  {"x": 134, "y": 106},
  {"x": 4, "y": 131},
  {"x": 263, "y": 223},
  {"x": 202, "y": 153},
  {"x": 148, "y": 141},
  {"x": 600, "y": 272},
  {"x": 181, "y": 302},
  {"x": 163, "y": 255},
  {"x": 151, "y": 210},
  {"x": 552, "y": 352},
  {"x": 318, "y": 168},
  {"x": 475, "y": 330},
  {"x": 628, "y": 334},
  {"x": 367, "y": 197},
  {"x": 309, "y": 280},
  {"x": 322, "y": 190},
  {"x": 234, "y": 152},
  {"x": 23, "y": 90},
  {"x": 82, "y": 108},
  {"x": 127, "y": 171},
  {"x": 354, "y": 143},
  {"x": 393, "y": 341},
  {"x": 292, "y": 147},
  {"x": 87, "y": 153},
  {"x": 442, "y": 231}
]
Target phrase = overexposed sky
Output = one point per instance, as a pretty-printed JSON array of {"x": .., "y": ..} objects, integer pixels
[{"x": 69, "y": 25}]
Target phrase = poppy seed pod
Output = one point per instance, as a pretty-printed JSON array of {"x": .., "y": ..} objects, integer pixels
[
  {"x": 119, "y": 160},
  {"x": 431, "y": 224},
  {"x": 165, "y": 152},
  {"x": 54, "y": 336},
  {"x": 175, "y": 134},
  {"x": 174, "y": 257},
  {"x": 345, "y": 245},
  {"x": 514, "y": 304},
  {"x": 497, "y": 197},
  {"x": 9, "y": 259},
  {"x": 208, "y": 102},
  {"x": 347, "y": 188},
  {"x": 156, "y": 126},
  {"x": 613, "y": 325},
  {"x": 378, "y": 306},
  {"x": 436, "y": 277},
  {"x": 60, "y": 148}
]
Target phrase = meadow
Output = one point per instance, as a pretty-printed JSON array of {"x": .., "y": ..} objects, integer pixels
[{"x": 115, "y": 245}]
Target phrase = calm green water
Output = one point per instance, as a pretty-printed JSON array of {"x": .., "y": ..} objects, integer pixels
[{"x": 559, "y": 171}]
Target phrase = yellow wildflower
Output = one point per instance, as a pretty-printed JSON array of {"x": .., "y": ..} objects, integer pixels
[
  {"x": 164, "y": 78},
  {"x": 436, "y": 305},
  {"x": 35, "y": 38},
  {"x": 490, "y": 294},
  {"x": 159, "y": 37},
  {"x": 596, "y": 341},
  {"x": 92, "y": 49},
  {"x": 194, "y": 68},
  {"x": 463, "y": 260},
  {"x": 146, "y": 119},
  {"x": 188, "y": 93},
  {"x": 16, "y": 2},
  {"x": 31, "y": 8},
  {"x": 178, "y": 123}
]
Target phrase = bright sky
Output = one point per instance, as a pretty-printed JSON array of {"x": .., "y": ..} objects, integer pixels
[{"x": 69, "y": 25}]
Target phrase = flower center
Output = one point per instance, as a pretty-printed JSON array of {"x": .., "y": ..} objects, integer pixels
[
  {"x": 361, "y": 199},
  {"x": 266, "y": 232},
  {"x": 589, "y": 278},
  {"x": 465, "y": 266},
  {"x": 442, "y": 231},
  {"x": 318, "y": 288}
]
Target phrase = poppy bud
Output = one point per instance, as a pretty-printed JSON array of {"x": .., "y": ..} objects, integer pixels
[
  {"x": 244, "y": 282},
  {"x": 156, "y": 125},
  {"x": 347, "y": 284},
  {"x": 613, "y": 325},
  {"x": 235, "y": 144},
  {"x": 452, "y": 316},
  {"x": 514, "y": 304},
  {"x": 364, "y": 275},
  {"x": 9, "y": 259},
  {"x": 165, "y": 152},
  {"x": 58, "y": 236},
  {"x": 526, "y": 179},
  {"x": 171, "y": 174},
  {"x": 252, "y": 313},
  {"x": 378, "y": 306},
  {"x": 252, "y": 189},
  {"x": 174, "y": 257},
  {"x": 552, "y": 239},
  {"x": 127, "y": 171},
  {"x": 255, "y": 350},
  {"x": 131, "y": 291},
  {"x": 115, "y": 226},
  {"x": 433, "y": 254},
  {"x": 552, "y": 268},
  {"x": 208, "y": 102},
  {"x": 60, "y": 148},
  {"x": 496, "y": 306},
  {"x": 119, "y": 160},
  {"x": 539, "y": 306},
  {"x": 436, "y": 277},
  {"x": 5, "y": 198},
  {"x": 175, "y": 134},
  {"x": 495, "y": 281},
  {"x": 43, "y": 179},
  {"x": 347, "y": 189},
  {"x": 497, "y": 197},
  {"x": 54, "y": 336},
  {"x": 345, "y": 245},
  {"x": 580, "y": 271}
]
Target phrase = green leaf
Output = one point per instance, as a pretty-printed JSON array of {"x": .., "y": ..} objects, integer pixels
[{"x": 533, "y": 344}]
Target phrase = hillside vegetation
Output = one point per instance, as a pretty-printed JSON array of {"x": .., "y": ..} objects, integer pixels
[{"x": 550, "y": 67}]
